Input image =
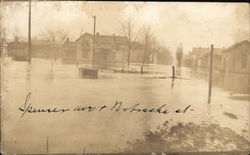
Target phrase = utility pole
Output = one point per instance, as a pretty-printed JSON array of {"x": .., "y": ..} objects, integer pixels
[
  {"x": 94, "y": 41},
  {"x": 29, "y": 33},
  {"x": 210, "y": 74}
]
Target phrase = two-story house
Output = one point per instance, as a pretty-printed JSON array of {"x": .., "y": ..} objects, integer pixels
[{"x": 108, "y": 50}]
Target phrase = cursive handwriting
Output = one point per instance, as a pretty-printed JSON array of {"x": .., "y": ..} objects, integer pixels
[
  {"x": 27, "y": 107},
  {"x": 134, "y": 108}
]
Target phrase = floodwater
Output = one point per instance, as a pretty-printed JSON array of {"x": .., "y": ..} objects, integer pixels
[{"x": 53, "y": 84}]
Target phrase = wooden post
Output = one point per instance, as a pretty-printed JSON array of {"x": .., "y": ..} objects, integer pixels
[
  {"x": 173, "y": 76},
  {"x": 210, "y": 74},
  {"x": 173, "y": 72},
  {"x": 141, "y": 69}
]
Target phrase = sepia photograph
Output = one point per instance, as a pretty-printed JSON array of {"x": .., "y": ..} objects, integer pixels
[{"x": 123, "y": 77}]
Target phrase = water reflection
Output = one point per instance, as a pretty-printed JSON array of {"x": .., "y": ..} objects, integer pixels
[
  {"x": 28, "y": 71},
  {"x": 172, "y": 84}
]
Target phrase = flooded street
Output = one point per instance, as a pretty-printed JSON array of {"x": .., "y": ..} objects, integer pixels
[{"x": 53, "y": 84}]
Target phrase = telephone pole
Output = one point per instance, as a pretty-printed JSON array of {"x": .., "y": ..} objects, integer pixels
[
  {"x": 94, "y": 41},
  {"x": 29, "y": 33},
  {"x": 210, "y": 74}
]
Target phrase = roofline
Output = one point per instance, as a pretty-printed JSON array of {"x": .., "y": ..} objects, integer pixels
[
  {"x": 235, "y": 45},
  {"x": 86, "y": 33}
]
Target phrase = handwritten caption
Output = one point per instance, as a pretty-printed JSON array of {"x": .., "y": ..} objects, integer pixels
[{"x": 118, "y": 106}]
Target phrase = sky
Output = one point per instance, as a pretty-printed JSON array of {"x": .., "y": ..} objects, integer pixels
[{"x": 192, "y": 24}]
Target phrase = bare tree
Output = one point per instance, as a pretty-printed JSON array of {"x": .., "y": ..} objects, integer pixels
[
  {"x": 151, "y": 45},
  {"x": 128, "y": 30},
  {"x": 52, "y": 33},
  {"x": 147, "y": 36},
  {"x": 48, "y": 33},
  {"x": 62, "y": 34},
  {"x": 55, "y": 35},
  {"x": 154, "y": 46}
]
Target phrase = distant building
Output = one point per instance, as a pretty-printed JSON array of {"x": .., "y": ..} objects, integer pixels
[
  {"x": 109, "y": 50},
  {"x": 46, "y": 49},
  {"x": 18, "y": 50},
  {"x": 138, "y": 54},
  {"x": 188, "y": 60},
  {"x": 69, "y": 52},
  {"x": 196, "y": 53},
  {"x": 204, "y": 59},
  {"x": 236, "y": 66},
  {"x": 200, "y": 57},
  {"x": 40, "y": 49},
  {"x": 3, "y": 47}
]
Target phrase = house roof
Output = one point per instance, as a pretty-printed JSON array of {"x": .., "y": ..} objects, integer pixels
[
  {"x": 84, "y": 35},
  {"x": 22, "y": 44},
  {"x": 106, "y": 39},
  {"x": 236, "y": 45},
  {"x": 69, "y": 44},
  {"x": 110, "y": 39},
  {"x": 217, "y": 51}
]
